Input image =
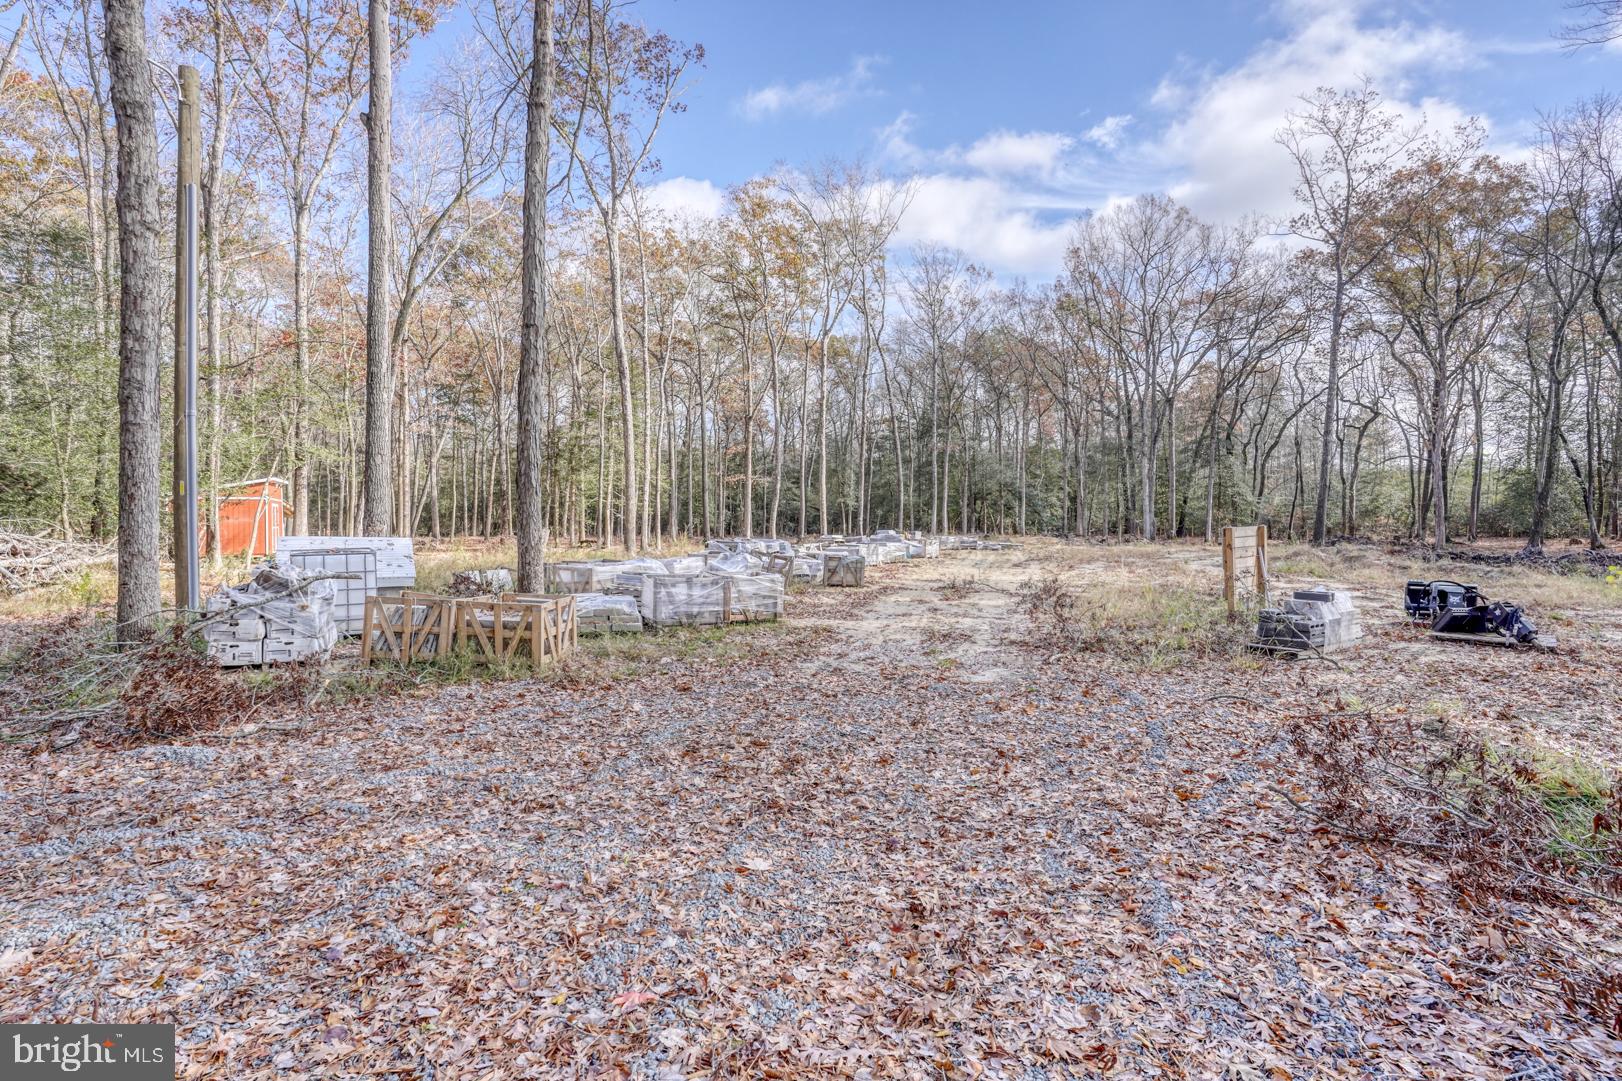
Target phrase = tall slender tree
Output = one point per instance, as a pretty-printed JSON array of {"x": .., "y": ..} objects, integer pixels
[
  {"x": 378, "y": 496},
  {"x": 140, "y": 309},
  {"x": 532, "y": 342}
]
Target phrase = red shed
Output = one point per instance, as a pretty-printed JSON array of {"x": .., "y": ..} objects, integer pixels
[{"x": 250, "y": 516}]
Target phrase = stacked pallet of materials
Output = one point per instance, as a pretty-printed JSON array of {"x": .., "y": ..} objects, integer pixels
[
  {"x": 355, "y": 571},
  {"x": 708, "y": 600},
  {"x": 580, "y": 577},
  {"x": 277, "y": 617},
  {"x": 678, "y": 600},
  {"x": 755, "y": 597},
  {"x": 628, "y": 575},
  {"x": 410, "y": 627},
  {"x": 689, "y": 564},
  {"x": 396, "y": 558},
  {"x": 844, "y": 568},
  {"x": 603, "y": 613},
  {"x": 735, "y": 563}
]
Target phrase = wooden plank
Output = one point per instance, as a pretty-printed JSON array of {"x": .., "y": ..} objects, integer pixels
[
  {"x": 1228, "y": 591},
  {"x": 1261, "y": 563},
  {"x": 368, "y": 626}
]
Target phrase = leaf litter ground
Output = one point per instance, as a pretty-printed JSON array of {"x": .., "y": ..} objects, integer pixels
[{"x": 896, "y": 840}]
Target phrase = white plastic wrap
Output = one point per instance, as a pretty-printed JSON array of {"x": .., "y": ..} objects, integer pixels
[
  {"x": 600, "y": 613},
  {"x": 847, "y": 569},
  {"x": 735, "y": 563},
  {"x": 808, "y": 568},
  {"x": 629, "y": 573},
  {"x": 671, "y": 600},
  {"x": 756, "y": 596},
  {"x": 755, "y": 546},
  {"x": 674, "y": 600},
  {"x": 294, "y": 614},
  {"x": 580, "y": 577},
  {"x": 358, "y": 568},
  {"x": 689, "y": 564},
  {"x": 1334, "y": 608}
]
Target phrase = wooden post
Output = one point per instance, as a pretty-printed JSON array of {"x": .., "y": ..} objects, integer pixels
[
  {"x": 1261, "y": 563},
  {"x": 1228, "y": 590},
  {"x": 1244, "y": 552},
  {"x": 183, "y": 484}
]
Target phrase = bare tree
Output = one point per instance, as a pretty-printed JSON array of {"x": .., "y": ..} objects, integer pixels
[
  {"x": 1447, "y": 279},
  {"x": 1593, "y": 22},
  {"x": 1345, "y": 148},
  {"x": 621, "y": 79},
  {"x": 304, "y": 59}
]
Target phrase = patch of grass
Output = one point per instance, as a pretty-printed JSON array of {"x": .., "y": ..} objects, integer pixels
[
  {"x": 1573, "y": 791},
  {"x": 1155, "y": 625},
  {"x": 92, "y": 587}
]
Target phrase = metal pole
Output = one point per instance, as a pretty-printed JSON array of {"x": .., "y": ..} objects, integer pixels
[{"x": 189, "y": 168}]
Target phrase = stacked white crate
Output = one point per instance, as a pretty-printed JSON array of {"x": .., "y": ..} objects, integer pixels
[
  {"x": 358, "y": 568},
  {"x": 234, "y": 642},
  {"x": 396, "y": 559},
  {"x": 283, "y": 618},
  {"x": 1334, "y": 608}
]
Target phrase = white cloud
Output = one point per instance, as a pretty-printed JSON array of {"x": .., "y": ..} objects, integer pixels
[
  {"x": 895, "y": 141},
  {"x": 814, "y": 96},
  {"x": 1220, "y": 143},
  {"x": 1015, "y": 152},
  {"x": 1109, "y": 131},
  {"x": 685, "y": 197},
  {"x": 1009, "y": 199},
  {"x": 991, "y": 222}
]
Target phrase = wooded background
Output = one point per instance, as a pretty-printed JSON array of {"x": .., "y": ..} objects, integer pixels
[{"x": 1431, "y": 347}]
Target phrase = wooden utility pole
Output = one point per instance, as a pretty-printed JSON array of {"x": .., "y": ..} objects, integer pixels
[{"x": 183, "y": 487}]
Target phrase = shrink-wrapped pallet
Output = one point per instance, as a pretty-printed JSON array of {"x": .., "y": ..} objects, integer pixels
[
  {"x": 602, "y": 613},
  {"x": 277, "y": 615}
]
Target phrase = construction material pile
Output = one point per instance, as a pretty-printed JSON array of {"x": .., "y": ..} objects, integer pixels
[
  {"x": 279, "y": 616},
  {"x": 734, "y": 579},
  {"x": 29, "y": 561},
  {"x": 603, "y": 613},
  {"x": 1309, "y": 620}
]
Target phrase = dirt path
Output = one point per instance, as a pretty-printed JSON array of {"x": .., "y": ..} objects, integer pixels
[
  {"x": 902, "y": 847},
  {"x": 953, "y": 613}
]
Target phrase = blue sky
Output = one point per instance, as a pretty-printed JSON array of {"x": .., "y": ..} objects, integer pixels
[{"x": 1020, "y": 116}]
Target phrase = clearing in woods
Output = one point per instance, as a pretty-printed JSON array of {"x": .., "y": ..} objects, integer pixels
[{"x": 915, "y": 831}]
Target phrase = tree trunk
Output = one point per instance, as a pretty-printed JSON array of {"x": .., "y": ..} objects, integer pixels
[
  {"x": 622, "y": 358},
  {"x": 1337, "y": 316},
  {"x": 297, "y": 452},
  {"x": 378, "y": 494},
  {"x": 140, "y": 314},
  {"x": 531, "y": 527}
]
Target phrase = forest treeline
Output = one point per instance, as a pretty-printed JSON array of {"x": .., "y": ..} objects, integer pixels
[{"x": 1431, "y": 346}]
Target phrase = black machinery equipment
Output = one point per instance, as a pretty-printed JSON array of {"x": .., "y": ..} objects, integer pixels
[{"x": 1461, "y": 612}]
